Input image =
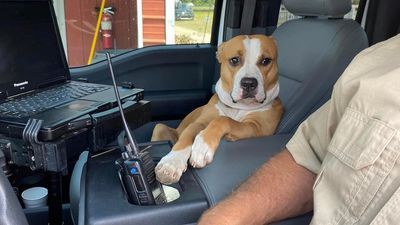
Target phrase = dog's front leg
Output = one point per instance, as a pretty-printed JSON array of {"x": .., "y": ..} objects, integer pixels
[
  {"x": 206, "y": 142},
  {"x": 170, "y": 168}
]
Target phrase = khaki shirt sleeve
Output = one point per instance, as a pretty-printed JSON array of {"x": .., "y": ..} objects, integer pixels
[{"x": 309, "y": 144}]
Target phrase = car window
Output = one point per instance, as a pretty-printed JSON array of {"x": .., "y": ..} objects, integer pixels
[
  {"x": 126, "y": 25},
  {"x": 285, "y": 15}
]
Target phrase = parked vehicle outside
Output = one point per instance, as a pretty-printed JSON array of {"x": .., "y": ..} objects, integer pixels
[{"x": 184, "y": 11}]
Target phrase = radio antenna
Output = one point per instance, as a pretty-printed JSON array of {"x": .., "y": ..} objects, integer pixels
[{"x": 132, "y": 147}]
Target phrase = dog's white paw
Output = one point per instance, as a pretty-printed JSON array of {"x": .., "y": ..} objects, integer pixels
[
  {"x": 170, "y": 168},
  {"x": 202, "y": 154}
]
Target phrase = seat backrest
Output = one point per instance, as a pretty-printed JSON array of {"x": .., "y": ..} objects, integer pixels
[
  {"x": 313, "y": 52},
  {"x": 11, "y": 211}
]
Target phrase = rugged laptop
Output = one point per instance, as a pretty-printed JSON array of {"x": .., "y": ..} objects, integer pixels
[{"x": 34, "y": 75}]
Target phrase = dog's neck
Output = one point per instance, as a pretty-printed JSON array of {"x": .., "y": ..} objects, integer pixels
[{"x": 226, "y": 98}]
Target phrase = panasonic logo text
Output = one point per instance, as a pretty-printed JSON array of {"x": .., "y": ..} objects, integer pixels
[{"x": 21, "y": 84}]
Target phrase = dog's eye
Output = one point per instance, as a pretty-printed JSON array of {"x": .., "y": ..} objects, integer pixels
[
  {"x": 234, "y": 61},
  {"x": 265, "y": 61}
]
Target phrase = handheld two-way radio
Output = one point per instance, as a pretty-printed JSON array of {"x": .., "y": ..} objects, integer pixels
[{"x": 135, "y": 167}]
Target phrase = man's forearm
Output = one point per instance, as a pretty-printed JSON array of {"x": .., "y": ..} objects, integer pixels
[{"x": 278, "y": 190}]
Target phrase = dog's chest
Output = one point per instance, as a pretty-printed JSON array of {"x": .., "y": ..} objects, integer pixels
[{"x": 235, "y": 114}]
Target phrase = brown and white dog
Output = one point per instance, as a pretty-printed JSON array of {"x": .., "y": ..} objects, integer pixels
[{"x": 246, "y": 104}]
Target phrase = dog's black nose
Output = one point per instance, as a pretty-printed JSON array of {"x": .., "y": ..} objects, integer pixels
[{"x": 249, "y": 84}]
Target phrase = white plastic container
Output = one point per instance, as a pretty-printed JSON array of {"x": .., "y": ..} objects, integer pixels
[{"x": 35, "y": 197}]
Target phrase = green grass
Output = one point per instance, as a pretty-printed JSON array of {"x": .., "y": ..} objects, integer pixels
[{"x": 201, "y": 24}]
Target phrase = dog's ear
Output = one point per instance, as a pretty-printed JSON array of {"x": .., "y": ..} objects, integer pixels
[
  {"x": 274, "y": 40},
  {"x": 276, "y": 45},
  {"x": 219, "y": 52}
]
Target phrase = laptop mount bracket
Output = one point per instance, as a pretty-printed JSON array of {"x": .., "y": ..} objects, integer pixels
[{"x": 47, "y": 156}]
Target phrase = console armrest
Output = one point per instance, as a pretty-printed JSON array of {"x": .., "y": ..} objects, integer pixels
[{"x": 235, "y": 161}]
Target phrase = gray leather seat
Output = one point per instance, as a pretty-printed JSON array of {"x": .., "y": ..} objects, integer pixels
[
  {"x": 11, "y": 212},
  {"x": 77, "y": 189},
  {"x": 313, "y": 52}
]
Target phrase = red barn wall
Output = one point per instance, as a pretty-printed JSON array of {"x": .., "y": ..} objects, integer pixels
[
  {"x": 153, "y": 22},
  {"x": 81, "y": 18}
]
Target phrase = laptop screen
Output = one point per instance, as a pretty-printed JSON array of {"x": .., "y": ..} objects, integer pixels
[{"x": 31, "y": 52}]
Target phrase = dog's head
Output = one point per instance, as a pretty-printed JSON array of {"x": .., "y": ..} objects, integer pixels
[{"x": 249, "y": 69}]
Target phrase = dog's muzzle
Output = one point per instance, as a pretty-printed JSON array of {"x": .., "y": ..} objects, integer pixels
[{"x": 249, "y": 86}]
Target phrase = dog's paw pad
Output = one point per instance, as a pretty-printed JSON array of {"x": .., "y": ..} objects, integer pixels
[
  {"x": 202, "y": 153},
  {"x": 170, "y": 168}
]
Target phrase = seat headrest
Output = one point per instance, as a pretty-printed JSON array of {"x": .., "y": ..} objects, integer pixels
[{"x": 327, "y": 8}]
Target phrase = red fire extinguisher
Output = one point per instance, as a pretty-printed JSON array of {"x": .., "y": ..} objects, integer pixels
[{"x": 106, "y": 28}]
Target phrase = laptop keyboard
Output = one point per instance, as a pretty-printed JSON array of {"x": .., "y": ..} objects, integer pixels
[{"x": 31, "y": 104}]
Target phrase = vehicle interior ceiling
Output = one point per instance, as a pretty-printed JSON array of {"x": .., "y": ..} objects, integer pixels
[{"x": 185, "y": 76}]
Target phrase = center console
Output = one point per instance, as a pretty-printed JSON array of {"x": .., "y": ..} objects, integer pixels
[{"x": 105, "y": 201}]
